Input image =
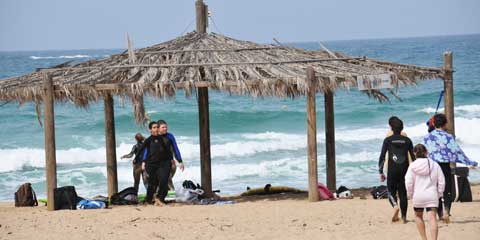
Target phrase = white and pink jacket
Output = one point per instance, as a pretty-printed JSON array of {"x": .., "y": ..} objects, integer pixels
[{"x": 424, "y": 182}]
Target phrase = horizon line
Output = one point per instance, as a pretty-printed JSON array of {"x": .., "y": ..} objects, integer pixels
[{"x": 287, "y": 42}]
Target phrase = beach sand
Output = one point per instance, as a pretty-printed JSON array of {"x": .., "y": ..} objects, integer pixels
[{"x": 281, "y": 216}]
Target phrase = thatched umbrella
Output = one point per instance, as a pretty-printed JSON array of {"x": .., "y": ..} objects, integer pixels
[
  {"x": 200, "y": 60},
  {"x": 210, "y": 60}
]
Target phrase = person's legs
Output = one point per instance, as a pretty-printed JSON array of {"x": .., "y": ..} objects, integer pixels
[
  {"x": 145, "y": 179},
  {"x": 402, "y": 194},
  {"x": 136, "y": 175},
  {"x": 173, "y": 169},
  {"x": 432, "y": 222},
  {"x": 163, "y": 174},
  {"x": 447, "y": 193},
  {"x": 392, "y": 197},
  {"x": 152, "y": 182},
  {"x": 420, "y": 223}
]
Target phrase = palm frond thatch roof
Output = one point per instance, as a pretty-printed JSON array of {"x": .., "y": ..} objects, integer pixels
[{"x": 214, "y": 60}]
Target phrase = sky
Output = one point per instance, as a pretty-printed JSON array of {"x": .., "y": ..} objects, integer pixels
[{"x": 103, "y": 24}]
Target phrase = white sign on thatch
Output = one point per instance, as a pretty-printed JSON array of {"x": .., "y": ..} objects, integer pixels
[{"x": 378, "y": 81}]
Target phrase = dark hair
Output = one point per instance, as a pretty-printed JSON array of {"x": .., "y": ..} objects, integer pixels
[
  {"x": 139, "y": 137},
  {"x": 161, "y": 122},
  {"x": 439, "y": 120},
  {"x": 396, "y": 124},
  {"x": 393, "y": 119},
  {"x": 420, "y": 151},
  {"x": 150, "y": 125}
]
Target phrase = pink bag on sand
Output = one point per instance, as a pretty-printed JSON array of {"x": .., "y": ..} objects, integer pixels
[{"x": 324, "y": 193}]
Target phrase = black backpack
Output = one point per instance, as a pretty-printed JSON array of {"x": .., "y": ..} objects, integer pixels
[
  {"x": 379, "y": 192},
  {"x": 25, "y": 196},
  {"x": 66, "y": 198},
  {"x": 127, "y": 196},
  {"x": 188, "y": 184}
]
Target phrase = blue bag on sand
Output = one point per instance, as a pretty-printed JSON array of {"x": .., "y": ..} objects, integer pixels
[{"x": 90, "y": 204}]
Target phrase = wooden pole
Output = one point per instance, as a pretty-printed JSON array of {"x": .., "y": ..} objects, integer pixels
[
  {"x": 312, "y": 137},
  {"x": 203, "y": 113},
  {"x": 110, "y": 145},
  {"x": 448, "y": 88},
  {"x": 49, "y": 124},
  {"x": 201, "y": 16},
  {"x": 204, "y": 126},
  {"x": 330, "y": 141}
]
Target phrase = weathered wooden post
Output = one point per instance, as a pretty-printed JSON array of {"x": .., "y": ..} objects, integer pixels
[
  {"x": 110, "y": 145},
  {"x": 448, "y": 88},
  {"x": 312, "y": 136},
  {"x": 50, "y": 156},
  {"x": 203, "y": 112},
  {"x": 330, "y": 141}
]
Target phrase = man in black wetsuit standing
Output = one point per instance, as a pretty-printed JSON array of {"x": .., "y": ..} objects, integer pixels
[
  {"x": 157, "y": 161},
  {"x": 398, "y": 147}
]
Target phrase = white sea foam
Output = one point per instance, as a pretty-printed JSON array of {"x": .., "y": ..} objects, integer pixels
[
  {"x": 244, "y": 145},
  {"x": 459, "y": 109},
  {"x": 60, "y": 57},
  {"x": 16, "y": 159}
]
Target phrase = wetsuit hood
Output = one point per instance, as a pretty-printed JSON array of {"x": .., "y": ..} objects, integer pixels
[{"x": 422, "y": 166}]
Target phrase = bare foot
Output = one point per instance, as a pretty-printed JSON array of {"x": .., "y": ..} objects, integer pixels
[
  {"x": 446, "y": 219},
  {"x": 404, "y": 220},
  {"x": 159, "y": 203},
  {"x": 395, "y": 214}
]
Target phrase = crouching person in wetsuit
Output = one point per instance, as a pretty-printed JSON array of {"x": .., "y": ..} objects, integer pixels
[
  {"x": 157, "y": 162},
  {"x": 398, "y": 147}
]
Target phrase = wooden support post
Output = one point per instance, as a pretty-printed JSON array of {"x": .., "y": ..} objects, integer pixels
[
  {"x": 110, "y": 145},
  {"x": 201, "y": 16},
  {"x": 330, "y": 141},
  {"x": 448, "y": 88},
  {"x": 50, "y": 156},
  {"x": 203, "y": 113},
  {"x": 204, "y": 126},
  {"x": 312, "y": 137}
]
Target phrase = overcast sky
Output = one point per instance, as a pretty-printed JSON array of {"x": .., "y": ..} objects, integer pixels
[{"x": 93, "y": 24}]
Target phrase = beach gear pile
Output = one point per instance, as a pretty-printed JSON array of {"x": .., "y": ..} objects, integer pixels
[{"x": 189, "y": 193}]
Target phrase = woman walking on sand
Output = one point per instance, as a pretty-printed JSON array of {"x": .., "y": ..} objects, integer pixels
[
  {"x": 443, "y": 149},
  {"x": 425, "y": 184}
]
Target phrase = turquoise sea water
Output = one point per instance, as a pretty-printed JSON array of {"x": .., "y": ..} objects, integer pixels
[{"x": 254, "y": 141}]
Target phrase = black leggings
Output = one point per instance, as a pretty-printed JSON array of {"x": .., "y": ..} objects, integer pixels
[
  {"x": 158, "y": 174},
  {"x": 394, "y": 185},
  {"x": 447, "y": 193}
]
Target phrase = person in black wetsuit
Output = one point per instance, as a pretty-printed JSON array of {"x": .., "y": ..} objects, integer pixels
[
  {"x": 137, "y": 162},
  {"x": 157, "y": 162},
  {"x": 398, "y": 148}
]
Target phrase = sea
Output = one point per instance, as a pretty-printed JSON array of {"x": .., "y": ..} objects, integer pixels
[{"x": 254, "y": 141}]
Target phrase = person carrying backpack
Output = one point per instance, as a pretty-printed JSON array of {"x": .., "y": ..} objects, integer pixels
[{"x": 399, "y": 148}]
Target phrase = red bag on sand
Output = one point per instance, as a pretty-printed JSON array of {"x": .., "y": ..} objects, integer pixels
[{"x": 324, "y": 193}]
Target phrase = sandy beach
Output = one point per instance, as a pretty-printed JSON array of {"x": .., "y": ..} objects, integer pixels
[{"x": 281, "y": 216}]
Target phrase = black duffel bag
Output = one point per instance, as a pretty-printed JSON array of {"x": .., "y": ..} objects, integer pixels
[{"x": 66, "y": 198}]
